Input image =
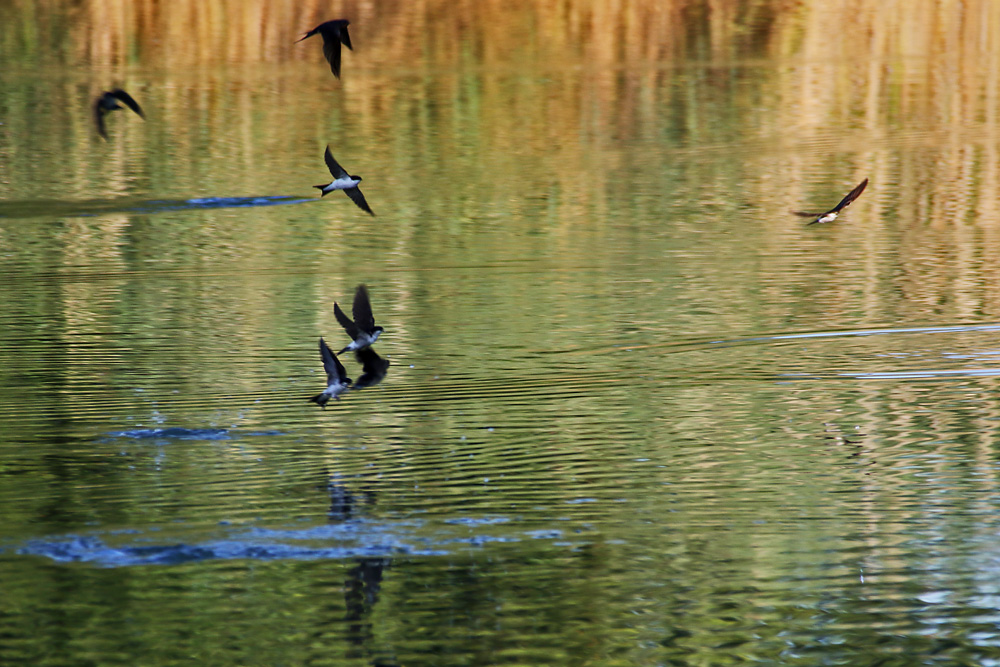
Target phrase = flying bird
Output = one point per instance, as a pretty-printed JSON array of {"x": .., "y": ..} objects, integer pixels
[
  {"x": 337, "y": 381},
  {"x": 343, "y": 181},
  {"x": 362, "y": 330},
  {"x": 374, "y": 368},
  {"x": 832, "y": 214},
  {"x": 334, "y": 34},
  {"x": 108, "y": 102}
]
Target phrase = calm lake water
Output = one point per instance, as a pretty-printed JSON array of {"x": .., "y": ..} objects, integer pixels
[{"x": 637, "y": 413}]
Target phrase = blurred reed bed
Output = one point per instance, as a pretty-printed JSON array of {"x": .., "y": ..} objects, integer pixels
[
  {"x": 602, "y": 34},
  {"x": 928, "y": 61},
  {"x": 814, "y": 95}
]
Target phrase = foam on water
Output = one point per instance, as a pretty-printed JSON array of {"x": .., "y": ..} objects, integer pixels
[{"x": 338, "y": 540}]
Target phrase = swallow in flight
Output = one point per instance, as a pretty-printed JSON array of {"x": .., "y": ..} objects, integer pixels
[
  {"x": 362, "y": 330},
  {"x": 337, "y": 381},
  {"x": 343, "y": 181},
  {"x": 832, "y": 214},
  {"x": 334, "y": 34},
  {"x": 108, "y": 102}
]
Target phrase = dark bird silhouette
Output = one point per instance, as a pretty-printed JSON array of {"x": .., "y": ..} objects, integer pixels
[
  {"x": 334, "y": 34},
  {"x": 373, "y": 367},
  {"x": 337, "y": 381},
  {"x": 108, "y": 102},
  {"x": 343, "y": 181},
  {"x": 832, "y": 214},
  {"x": 362, "y": 330}
]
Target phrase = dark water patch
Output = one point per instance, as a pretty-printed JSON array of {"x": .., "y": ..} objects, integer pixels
[
  {"x": 87, "y": 208},
  {"x": 332, "y": 541},
  {"x": 477, "y": 521},
  {"x": 174, "y": 433},
  {"x": 93, "y": 550},
  {"x": 156, "y": 206},
  {"x": 177, "y": 433}
]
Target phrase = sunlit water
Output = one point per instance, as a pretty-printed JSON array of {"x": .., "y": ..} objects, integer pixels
[{"x": 636, "y": 413}]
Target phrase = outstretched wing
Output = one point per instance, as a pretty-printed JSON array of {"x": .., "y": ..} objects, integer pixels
[
  {"x": 341, "y": 371},
  {"x": 129, "y": 102},
  {"x": 331, "y": 49},
  {"x": 349, "y": 326},
  {"x": 359, "y": 199},
  {"x": 851, "y": 196},
  {"x": 344, "y": 37},
  {"x": 335, "y": 371},
  {"x": 362, "y": 310},
  {"x": 99, "y": 119},
  {"x": 335, "y": 169},
  {"x": 375, "y": 367},
  {"x": 371, "y": 362}
]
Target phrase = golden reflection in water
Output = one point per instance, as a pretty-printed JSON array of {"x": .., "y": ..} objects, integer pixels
[
  {"x": 925, "y": 63},
  {"x": 810, "y": 92},
  {"x": 601, "y": 35}
]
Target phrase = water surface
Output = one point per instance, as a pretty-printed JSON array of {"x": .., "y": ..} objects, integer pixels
[{"x": 636, "y": 412}]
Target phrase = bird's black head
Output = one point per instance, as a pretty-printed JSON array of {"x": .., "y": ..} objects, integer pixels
[
  {"x": 378, "y": 329},
  {"x": 355, "y": 178}
]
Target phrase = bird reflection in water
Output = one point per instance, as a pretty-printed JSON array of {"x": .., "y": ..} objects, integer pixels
[
  {"x": 363, "y": 581},
  {"x": 361, "y": 590}
]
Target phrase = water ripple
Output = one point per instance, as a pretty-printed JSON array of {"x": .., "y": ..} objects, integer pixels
[
  {"x": 334, "y": 541},
  {"x": 86, "y": 208}
]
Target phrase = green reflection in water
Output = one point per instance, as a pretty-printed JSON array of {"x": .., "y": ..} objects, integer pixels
[{"x": 606, "y": 436}]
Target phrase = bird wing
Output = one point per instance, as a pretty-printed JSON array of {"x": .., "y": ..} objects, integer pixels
[
  {"x": 345, "y": 321},
  {"x": 344, "y": 37},
  {"x": 371, "y": 362},
  {"x": 373, "y": 366},
  {"x": 331, "y": 49},
  {"x": 851, "y": 196},
  {"x": 359, "y": 199},
  {"x": 99, "y": 119},
  {"x": 129, "y": 102},
  {"x": 335, "y": 371},
  {"x": 335, "y": 169},
  {"x": 341, "y": 371},
  {"x": 362, "y": 310}
]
